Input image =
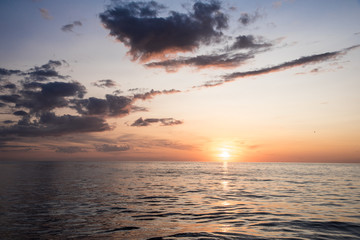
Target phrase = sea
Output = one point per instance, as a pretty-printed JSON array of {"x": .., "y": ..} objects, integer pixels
[{"x": 179, "y": 200}]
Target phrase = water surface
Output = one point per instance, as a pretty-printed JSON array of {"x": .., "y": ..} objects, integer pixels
[{"x": 172, "y": 200}]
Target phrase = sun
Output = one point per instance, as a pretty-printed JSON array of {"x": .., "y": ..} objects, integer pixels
[{"x": 224, "y": 155}]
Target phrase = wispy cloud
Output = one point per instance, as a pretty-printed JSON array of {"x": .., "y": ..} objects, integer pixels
[
  {"x": 312, "y": 59},
  {"x": 163, "y": 121},
  {"x": 69, "y": 27},
  {"x": 105, "y": 83},
  {"x": 112, "y": 148},
  {"x": 247, "y": 18},
  {"x": 45, "y": 14}
]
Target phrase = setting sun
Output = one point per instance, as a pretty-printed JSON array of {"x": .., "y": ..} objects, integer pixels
[{"x": 224, "y": 155}]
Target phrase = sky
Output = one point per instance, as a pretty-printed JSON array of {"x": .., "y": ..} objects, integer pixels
[{"x": 244, "y": 81}]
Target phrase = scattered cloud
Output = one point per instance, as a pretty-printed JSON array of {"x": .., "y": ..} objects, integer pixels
[
  {"x": 246, "y": 18},
  {"x": 225, "y": 60},
  {"x": 152, "y": 93},
  {"x": 71, "y": 26},
  {"x": 164, "y": 122},
  {"x": 316, "y": 58},
  {"x": 45, "y": 72},
  {"x": 248, "y": 42},
  {"x": 112, "y": 148},
  {"x": 45, "y": 14},
  {"x": 137, "y": 25},
  {"x": 4, "y": 73},
  {"x": 51, "y": 125},
  {"x": 105, "y": 83},
  {"x": 112, "y": 105},
  {"x": 69, "y": 149}
]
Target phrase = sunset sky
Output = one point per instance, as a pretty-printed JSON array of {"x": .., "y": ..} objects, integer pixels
[{"x": 180, "y": 80}]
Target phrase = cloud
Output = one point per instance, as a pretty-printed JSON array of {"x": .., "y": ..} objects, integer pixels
[
  {"x": 70, "y": 27},
  {"x": 137, "y": 25},
  {"x": 20, "y": 113},
  {"x": 316, "y": 58},
  {"x": 45, "y": 14},
  {"x": 45, "y": 72},
  {"x": 286, "y": 65},
  {"x": 224, "y": 60},
  {"x": 112, "y": 105},
  {"x": 112, "y": 148},
  {"x": 246, "y": 18},
  {"x": 8, "y": 72},
  {"x": 51, "y": 125},
  {"x": 70, "y": 149},
  {"x": 152, "y": 93},
  {"x": 9, "y": 86},
  {"x": 41, "y": 103},
  {"x": 105, "y": 83},
  {"x": 228, "y": 58},
  {"x": 249, "y": 41},
  {"x": 49, "y": 96},
  {"x": 164, "y": 122},
  {"x": 13, "y": 98}
]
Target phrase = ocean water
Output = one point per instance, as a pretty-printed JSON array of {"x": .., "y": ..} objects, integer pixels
[{"x": 179, "y": 200}]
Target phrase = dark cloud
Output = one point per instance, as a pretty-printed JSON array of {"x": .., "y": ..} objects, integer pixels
[
  {"x": 45, "y": 72},
  {"x": 283, "y": 66},
  {"x": 112, "y": 106},
  {"x": 45, "y": 14},
  {"x": 137, "y": 25},
  {"x": 20, "y": 113},
  {"x": 135, "y": 108},
  {"x": 294, "y": 63},
  {"x": 249, "y": 41},
  {"x": 225, "y": 60},
  {"x": 9, "y": 86},
  {"x": 105, "y": 83},
  {"x": 49, "y": 96},
  {"x": 246, "y": 18},
  {"x": 70, "y": 149},
  {"x": 51, "y": 125},
  {"x": 13, "y": 98},
  {"x": 112, "y": 148},
  {"x": 70, "y": 27},
  {"x": 164, "y": 122},
  {"x": 8, "y": 72},
  {"x": 152, "y": 93},
  {"x": 8, "y": 121}
]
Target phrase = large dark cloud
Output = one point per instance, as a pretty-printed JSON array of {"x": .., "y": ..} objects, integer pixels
[
  {"x": 137, "y": 25},
  {"x": 51, "y": 125},
  {"x": 112, "y": 105},
  {"x": 49, "y": 96},
  {"x": 164, "y": 122}
]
